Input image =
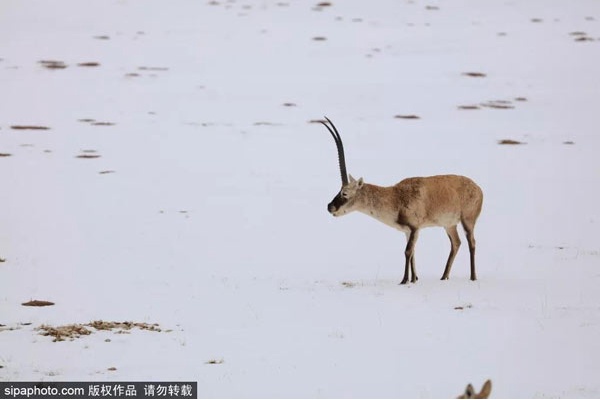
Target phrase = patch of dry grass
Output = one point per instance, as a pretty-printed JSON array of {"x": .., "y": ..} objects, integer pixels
[{"x": 75, "y": 331}]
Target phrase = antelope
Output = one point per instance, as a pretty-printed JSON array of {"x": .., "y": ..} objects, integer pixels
[
  {"x": 470, "y": 392},
  {"x": 412, "y": 204}
]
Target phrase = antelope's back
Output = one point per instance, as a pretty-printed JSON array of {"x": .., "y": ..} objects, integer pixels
[{"x": 442, "y": 194}]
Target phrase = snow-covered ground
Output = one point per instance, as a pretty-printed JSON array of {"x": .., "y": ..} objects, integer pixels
[{"x": 212, "y": 221}]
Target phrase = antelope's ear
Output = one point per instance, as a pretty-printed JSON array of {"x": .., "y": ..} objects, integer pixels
[
  {"x": 469, "y": 392},
  {"x": 351, "y": 178},
  {"x": 360, "y": 182},
  {"x": 486, "y": 389}
]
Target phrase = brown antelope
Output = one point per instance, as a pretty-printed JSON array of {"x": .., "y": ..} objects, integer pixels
[
  {"x": 470, "y": 392},
  {"x": 412, "y": 204}
]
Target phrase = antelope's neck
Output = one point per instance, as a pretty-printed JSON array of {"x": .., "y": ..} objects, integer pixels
[{"x": 376, "y": 202}]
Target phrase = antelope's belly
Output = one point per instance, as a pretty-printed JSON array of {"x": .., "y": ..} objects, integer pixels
[{"x": 445, "y": 220}]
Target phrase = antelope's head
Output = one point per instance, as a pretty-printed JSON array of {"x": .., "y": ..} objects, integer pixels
[{"x": 345, "y": 200}]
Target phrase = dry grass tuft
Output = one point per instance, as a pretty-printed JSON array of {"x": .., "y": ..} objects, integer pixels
[{"x": 61, "y": 333}]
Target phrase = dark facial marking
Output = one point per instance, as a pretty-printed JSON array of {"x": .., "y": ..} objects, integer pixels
[{"x": 337, "y": 202}]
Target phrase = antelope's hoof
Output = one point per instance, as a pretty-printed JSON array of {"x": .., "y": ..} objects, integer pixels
[
  {"x": 404, "y": 281},
  {"x": 444, "y": 278}
]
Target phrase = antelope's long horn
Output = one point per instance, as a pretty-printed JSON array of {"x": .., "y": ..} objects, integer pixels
[{"x": 340, "y": 149}]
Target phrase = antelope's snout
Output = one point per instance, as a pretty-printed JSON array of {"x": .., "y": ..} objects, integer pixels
[
  {"x": 332, "y": 209},
  {"x": 336, "y": 205}
]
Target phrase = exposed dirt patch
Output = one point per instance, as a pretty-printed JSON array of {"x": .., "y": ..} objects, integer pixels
[
  {"x": 494, "y": 104},
  {"x": 466, "y": 306},
  {"x": 5, "y": 155},
  {"x": 319, "y": 38},
  {"x": 88, "y": 156},
  {"x": 153, "y": 68},
  {"x": 569, "y": 142},
  {"x": 106, "y": 172},
  {"x": 89, "y": 64},
  {"x": 289, "y": 104},
  {"x": 102, "y": 37},
  {"x": 29, "y": 127},
  {"x": 498, "y": 104},
  {"x": 4, "y": 328},
  {"x": 93, "y": 122},
  {"x": 348, "y": 284},
  {"x": 407, "y": 116},
  {"x": 264, "y": 123},
  {"x": 580, "y": 36},
  {"x": 510, "y": 142},
  {"x": 320, "y": 6},
  {"x": 53, "y": 64},
  {"x": 75, "y": 331},
  {"x": 474, "y": 74},
  {"x": 215, "y": 362},
  {"x": 38, "y": 303}
]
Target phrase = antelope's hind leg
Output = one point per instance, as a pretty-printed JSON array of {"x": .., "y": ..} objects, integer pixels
[
  {"x": 469, "y": 231},
  {"x": 454, "y": 245}
]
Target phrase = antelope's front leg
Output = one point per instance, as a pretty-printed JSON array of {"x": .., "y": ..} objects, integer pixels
[{"x": 408, "y": 253}]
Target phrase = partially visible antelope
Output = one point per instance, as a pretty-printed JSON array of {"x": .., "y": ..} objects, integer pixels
[
  {"x": 470, "y": 392},
  {"x": 412, "y": 204}
]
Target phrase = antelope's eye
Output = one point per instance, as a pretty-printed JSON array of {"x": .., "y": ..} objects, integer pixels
[{"x": 345, "y": 195}]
